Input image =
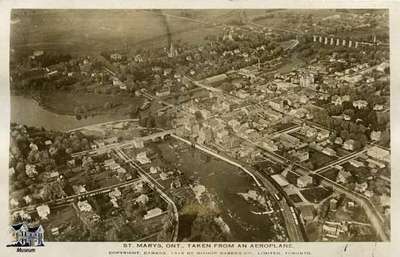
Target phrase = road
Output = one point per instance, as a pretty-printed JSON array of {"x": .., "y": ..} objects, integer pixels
[
  {"x": 71, "y": 198},
  {"x": 155, "y": 185},
  {"x": 373, "y": 214}
]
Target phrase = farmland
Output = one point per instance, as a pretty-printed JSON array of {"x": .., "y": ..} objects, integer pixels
[{"x": 88, "y": 31}]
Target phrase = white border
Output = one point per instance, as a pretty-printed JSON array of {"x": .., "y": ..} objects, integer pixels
[{"x": 101, "y": 249}]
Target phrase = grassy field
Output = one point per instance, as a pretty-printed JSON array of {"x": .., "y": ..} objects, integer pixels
[
  {"x": 86, "y": 31},
  {"x": 65, "y": 103}
]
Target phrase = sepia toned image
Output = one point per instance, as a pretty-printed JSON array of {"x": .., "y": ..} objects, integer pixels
[{"x": 199, "y": 125}]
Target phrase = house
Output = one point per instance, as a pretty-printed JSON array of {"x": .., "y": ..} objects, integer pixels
[
  {"x": 333, "y": 204},
  {"x": 304, "y": 181},
  {"x": 310, "y": 132},
  {"x": 379, "y": 153},
  {"x": 84, "y": 206},
  {"x": 152, "y": 213},
  {"x": 338, "y": 141},
  {"x": 368, "y": 193},
  {"x": 329, "y": 151},
  {"x": 349, "y": 144},
  {"x": 331, "y": 231},
  {"x": 43, "y": 211},
  {"x": 165, "y": 91},
  {"x": 115, "y": 57},
  {"x": 301, "y": 155},
  {"x": 382, "y": 67},
  {"x": 154, "y": 170},
  {"x": 109, "y": 162},
  {"x": 376, "y": 135},
  {"x": 360, "y": 104},
  {"x": 30, "y": 170},
  {"x": 143, "y": 199},
  {"x": 115, "y": 193},
  {"x": 142, "y": 158},
  {"x": 27, "y": 199},
  {"x": 322, "y": 135},
  {"x": 276, "y": 105},
  {"x": 269, "y": 145},
  {"x": 336, "y": 100},
  {"x": 163, "y": 176},
  {"x": 356, "y": 163},
  {"x": 374, "y": 163},
  {"x": 289, "y": 141},
  {"x": 55, "y": 231},
  {"x": 24, "y": 235},
  {"x": 343, "y": 176},
  {"x": 361, "y": 187},
  {"x": 79, "y": 189},
  {"x": 280, "y": 179},
  {"x": 378, "y": 107}
]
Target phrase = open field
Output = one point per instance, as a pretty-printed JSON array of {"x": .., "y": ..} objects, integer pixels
[
  {"x": 65, "y": 103},
  {"x": 88, "y": 31}
]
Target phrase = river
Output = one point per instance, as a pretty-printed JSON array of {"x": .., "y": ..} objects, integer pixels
[
  {"x": 26, "y": 111},
  {"x": 224, "y": 181}
]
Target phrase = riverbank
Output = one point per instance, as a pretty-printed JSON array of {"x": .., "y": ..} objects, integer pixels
[
  {"x": 26, "y": 111},
  {"x": 66, "y": 103}
]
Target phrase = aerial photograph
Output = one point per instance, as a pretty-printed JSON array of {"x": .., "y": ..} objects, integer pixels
[{"x": 199, "y": 125}]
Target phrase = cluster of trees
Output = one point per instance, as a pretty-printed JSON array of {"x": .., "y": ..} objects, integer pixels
[
  {"x": 362, "y": 54},
  {"x": 48, "y": 59},
  {"x": 45, "y": 158}
]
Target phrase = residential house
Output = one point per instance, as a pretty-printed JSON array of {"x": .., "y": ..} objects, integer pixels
[
  {"x": 376, "y": 135},
  {"x": 338, "y": 141},
  {"x": 360, "y": 104},
  {"x": 379, "y": 153},
  {"x": 356, "y": 163},
  {"x": 323, "y": 135},
  {"x": 336, "y": 100},
  {"x": 30, "y": 170},
  {"x": 349, "y": 144},
  {"x": 343, "y": 176},
  {"x": 304, "y": 181},
  {"x": 153, "y": 213},
  {"x": 301, "y": 155},
  {"x": 329, "y": 151},
  {"x": 142, "y": 158},
  {"x": 43, "y": 211},
  {"x": 361, "y": 187},
  {"x": 142, "y": 199}
]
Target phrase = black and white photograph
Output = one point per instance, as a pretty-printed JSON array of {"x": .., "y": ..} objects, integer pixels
[{"x": 199, "y": 125}]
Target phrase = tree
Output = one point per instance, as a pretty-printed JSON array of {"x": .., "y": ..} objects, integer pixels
[
  {"x": 357, "y": 145},
  {"x": 344, "y": 134}
]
